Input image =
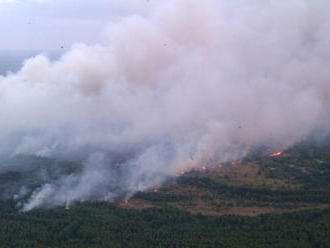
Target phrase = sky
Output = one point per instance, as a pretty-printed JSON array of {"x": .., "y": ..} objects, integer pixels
[{"x": 53, "y": 24}]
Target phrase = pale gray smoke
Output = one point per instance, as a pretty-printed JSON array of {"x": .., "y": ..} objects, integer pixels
[{"x": 192, "y": 83}]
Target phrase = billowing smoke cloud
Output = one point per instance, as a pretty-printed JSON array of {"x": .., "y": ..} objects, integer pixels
[{"x": 192, "y": 83}]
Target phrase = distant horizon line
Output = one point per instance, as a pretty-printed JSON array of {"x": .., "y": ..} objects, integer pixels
[{"x": 31, "y": 50}]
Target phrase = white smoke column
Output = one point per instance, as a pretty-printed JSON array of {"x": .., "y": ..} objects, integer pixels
[{"x": 193, "y": 82}]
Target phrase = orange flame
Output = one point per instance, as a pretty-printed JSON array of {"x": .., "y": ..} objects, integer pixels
[
  {"x": 182, "y": 172},
  {"x": 234, "y": 163},
  {"x": 275, "y": 154}
]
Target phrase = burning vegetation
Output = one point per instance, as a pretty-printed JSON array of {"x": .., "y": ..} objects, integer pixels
[{"x": 276, "y": 154}]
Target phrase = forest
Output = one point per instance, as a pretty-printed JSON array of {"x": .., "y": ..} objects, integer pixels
[
  {"x": 261, "y": 201},
  {"x": 101, "y": 224}
]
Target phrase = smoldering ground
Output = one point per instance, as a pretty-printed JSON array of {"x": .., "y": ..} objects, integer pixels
[{"x": 190, "y": 83}]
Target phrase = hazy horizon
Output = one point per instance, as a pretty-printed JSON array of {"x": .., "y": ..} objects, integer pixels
[{"x": 12, "y": 61}]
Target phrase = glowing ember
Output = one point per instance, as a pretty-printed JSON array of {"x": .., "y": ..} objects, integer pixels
[
  {"x": 203, "y": 168},
  {"x": 155, "y": 190},
  {"x": 275, "y": 154},
  {"x": 236, "y": 162},
  {"x": 182, "y": 172}
]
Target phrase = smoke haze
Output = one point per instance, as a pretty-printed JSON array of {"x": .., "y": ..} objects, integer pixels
[{"x": 191, "y": 83}]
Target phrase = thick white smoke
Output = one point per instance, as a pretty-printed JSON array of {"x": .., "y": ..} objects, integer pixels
[{"x": 192, "y": 83}]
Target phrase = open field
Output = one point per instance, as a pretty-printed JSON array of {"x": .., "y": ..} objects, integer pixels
[{"x": 294, "y": 180}]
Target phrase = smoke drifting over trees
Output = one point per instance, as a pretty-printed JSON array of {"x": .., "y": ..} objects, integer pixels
[{"x": 191, "y": 83}]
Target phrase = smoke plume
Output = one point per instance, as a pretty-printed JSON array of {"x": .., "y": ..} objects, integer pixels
[{"x": 190, "y": 83}]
